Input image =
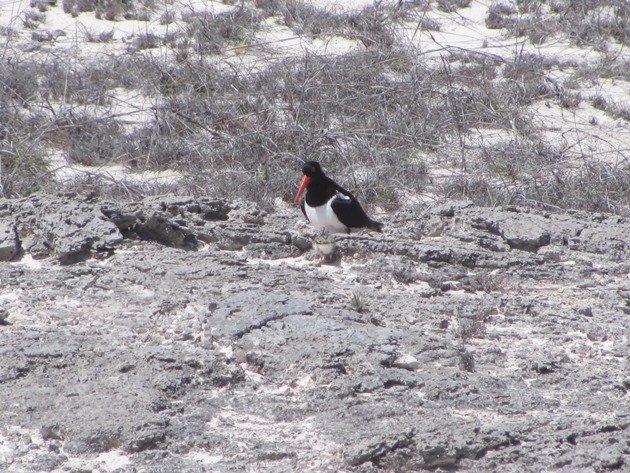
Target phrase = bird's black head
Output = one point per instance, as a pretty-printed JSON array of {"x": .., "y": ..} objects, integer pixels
[
  {"x": 313, "y": 177},
  {"x": 312, "y": 169}
]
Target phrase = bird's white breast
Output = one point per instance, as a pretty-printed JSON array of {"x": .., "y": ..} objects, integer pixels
[{"x": 324, "y": 217}]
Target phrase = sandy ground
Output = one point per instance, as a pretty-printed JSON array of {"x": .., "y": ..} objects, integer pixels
[{"x": 584, "y": 130}]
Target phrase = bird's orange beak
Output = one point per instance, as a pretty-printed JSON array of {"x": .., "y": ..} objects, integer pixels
[{"x": 303, "y": 183}]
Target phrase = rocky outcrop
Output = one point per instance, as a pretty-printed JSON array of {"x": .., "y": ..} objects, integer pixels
[
  {"x": 71, "y": 226},
  {"x": 9, "y": 242},
  {"x": 63, "y": 225},
  {"x": 196, "y": 334}
]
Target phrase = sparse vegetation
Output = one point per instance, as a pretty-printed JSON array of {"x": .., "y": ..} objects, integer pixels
[
  {"x": 569, "y": 99},
  {"x": 373, "y": 114},
  {"x": 31, "y": 18},
  {"x": 102, "y": 37},
  {"x": 167, "y": 17},
  {"x": 357, "y": 302},
  {"x": 211, "y": 33},
  {"x": 43, "y": 5},
  {"x": 112, "y": 10},
  {"x": 613, "y": 109},
  {"x": 85, "y": 138},
  {"x": 608, "y": 68},
  {"x": 145, "y": 41},
  {"x": 500, "y": 16},
  {"x": 303, "y": 17},
  {"x": 530, "y": 172},
  {"x": 373, "y": 26},
  {"x": 449, "y": 6},
  {"x": 7, "y": 31},
  {"x": 22, "y": 165},
  {"x": 584, "y": 22}
]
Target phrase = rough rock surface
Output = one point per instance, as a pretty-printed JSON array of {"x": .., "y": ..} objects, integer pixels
[
  {"x": 182, "y": 334},
  {"x": 9, "y": 243}
]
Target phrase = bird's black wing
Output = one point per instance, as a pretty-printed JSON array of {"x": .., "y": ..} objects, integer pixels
[
  {"x": 349, "y": 211},
  {"x": 344, "y": 192}
]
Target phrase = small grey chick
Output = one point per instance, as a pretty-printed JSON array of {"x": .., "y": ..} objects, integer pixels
[{"x": 325, "y": 246}]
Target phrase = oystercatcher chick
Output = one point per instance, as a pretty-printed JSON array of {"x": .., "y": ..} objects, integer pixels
[
  {"x": 325, "y": 246},
  {"x": 328, "y": 206}
]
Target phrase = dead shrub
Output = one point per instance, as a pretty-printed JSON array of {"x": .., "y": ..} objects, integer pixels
[
  {"x": 211, "y": 33},
  {"x": 369, "y": 116},
  {"x": 570, "y": 100},
  {"x": 471, "y": 321},
  {"x": 148, "y": 146},
  {"x": 167, "y": 17},
  {"x": 449, "y": 6},
  {"x": 528, "y": 171},
  {"x": 519, "y": 159},
  {"x": 145, "y": 41},
  {"x": 302, "y": 17},
  {"x": 85, "y": 138},
  {"x": 22, "y": 163},
  {"x": 254, "y": 131},
  {"x": 372, "y": 26},
  {"x": 593, "y": 186},
  {"x": 525, "y": 79},
  {"x": 32, "y": 18},
  {"x": 29, "y": 129},
  {"x": 611, "y": 108},
  {"x": 74, "y": 7},
  {"x": 102, "y": 37},
  {"x": 47, "y": 36},
  {"x": 500, "y": 15},
  {"x": 111, "y": 10},
  {"x": 80, "y": 86},
  {"x": 585, "y": 22},
  {"x": 7, "y": 31},
  {"x": 19, "y": 82},
  {"x": 21, "y": 155},
  {"x": 610, "y": 67}
]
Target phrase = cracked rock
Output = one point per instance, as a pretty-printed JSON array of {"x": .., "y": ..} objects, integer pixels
[{"x": 9, "y": 242}]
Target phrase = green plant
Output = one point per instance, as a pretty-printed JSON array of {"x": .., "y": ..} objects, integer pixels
[{"x": 357, "y": 302}]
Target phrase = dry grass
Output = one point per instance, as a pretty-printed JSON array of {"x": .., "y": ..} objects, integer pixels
[
  {"x": 373, "y": 26},
  {"x": 22, "y": 165},
  {"x": 102, "y": 37},
  {"x": 21, "y": 158},
  {"x": 613, "y": 109},
  {"x": 111, "y": 10},
  {"x": 585, "y": 22},
  {"x": 250, "y": 132},
  {"x": 370, "y": 116},
  {"x": 211, "y": 33},
  {"x": 303, "y": 17},
  {"x": 32, "y": 18},
  {"x": 44, "y": 106},
  {"x": 528, "y": 171},
  {"x": 449, "y": 6},
  {"x": 85, "y": 138}
]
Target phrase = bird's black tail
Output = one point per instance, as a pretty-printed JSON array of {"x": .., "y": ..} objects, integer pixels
[{"x": 375, "y": 226}]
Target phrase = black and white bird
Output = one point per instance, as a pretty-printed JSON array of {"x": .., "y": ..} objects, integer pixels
[{"x": 328, "y": 206}]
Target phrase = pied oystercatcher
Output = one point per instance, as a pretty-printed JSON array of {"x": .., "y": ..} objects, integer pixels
[{"x": 329, "y": 206}]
